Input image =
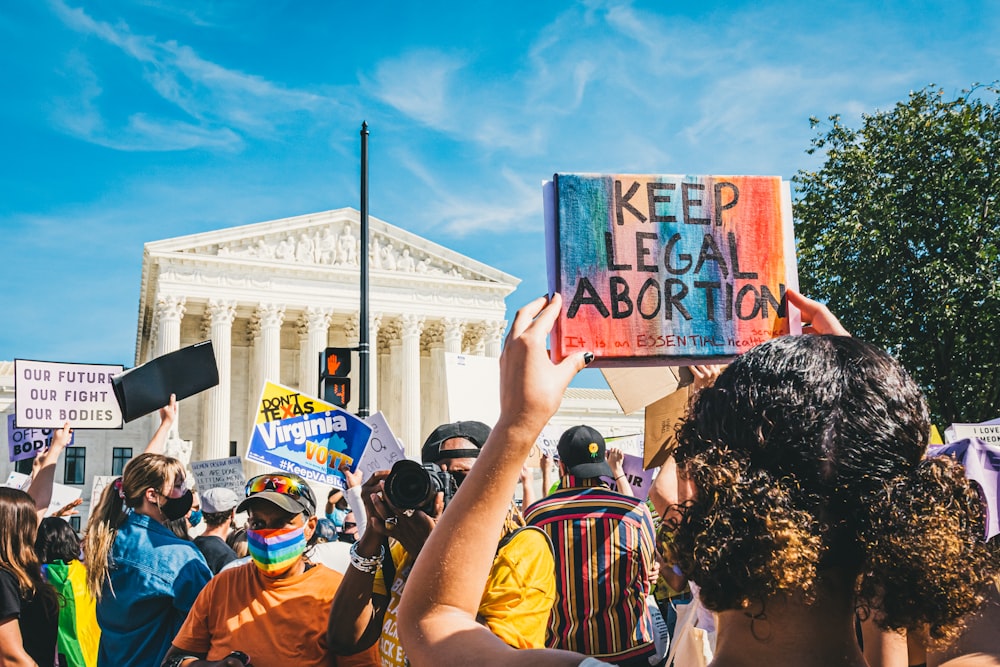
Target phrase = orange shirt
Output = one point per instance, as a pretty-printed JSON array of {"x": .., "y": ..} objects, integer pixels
[{"x": 276, "y": 622}]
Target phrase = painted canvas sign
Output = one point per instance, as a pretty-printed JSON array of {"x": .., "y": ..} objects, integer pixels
[
  {"x": 306, "y": 436},
  {"x": 668, "y": 269}
]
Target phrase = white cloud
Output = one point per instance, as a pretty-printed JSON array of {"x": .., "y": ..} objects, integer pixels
[{"x": 214, "y": 104}]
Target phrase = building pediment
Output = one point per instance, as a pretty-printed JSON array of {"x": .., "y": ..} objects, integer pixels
[{"x": 331, "y": 239}]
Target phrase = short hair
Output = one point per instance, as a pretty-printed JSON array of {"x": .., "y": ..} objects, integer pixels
[
  {"x": 217, "y": 518},
  {"x": 807, "y": 454},
  {"x": 56, "y": 540}
]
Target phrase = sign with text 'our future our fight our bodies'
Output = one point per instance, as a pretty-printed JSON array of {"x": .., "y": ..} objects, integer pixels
[
  {"x": 657, "y": 269},
  {"x": 48, "y": 394},
  {"x": 303, "y": 435}
]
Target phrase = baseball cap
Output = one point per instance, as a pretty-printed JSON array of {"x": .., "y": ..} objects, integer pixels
[
  {"x": 473, "y": 431},
  {"x": 289, "y": 492},
  {"x": 219, "y": 499},
  {"x": 582, "y": 450}
]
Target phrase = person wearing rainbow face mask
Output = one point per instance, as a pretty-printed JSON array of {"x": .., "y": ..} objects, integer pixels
[{"x": 273, "y": 610}]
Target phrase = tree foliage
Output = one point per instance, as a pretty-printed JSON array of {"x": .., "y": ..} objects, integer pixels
[{"x": 899, "y": 231}]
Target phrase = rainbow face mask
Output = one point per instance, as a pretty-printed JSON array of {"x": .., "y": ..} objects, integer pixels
[{"x": 275, "y": 550}]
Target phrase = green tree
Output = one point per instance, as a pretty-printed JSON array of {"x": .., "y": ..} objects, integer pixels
[{"x": 899, "y": 231}]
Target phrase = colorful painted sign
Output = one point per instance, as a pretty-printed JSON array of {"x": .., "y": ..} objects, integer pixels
[
  {"x": 48, "y": 394},
  {"x": 306, "y": 436},
  {"x": 668, "y": 269},
  {"x": 26, "y": 443}
]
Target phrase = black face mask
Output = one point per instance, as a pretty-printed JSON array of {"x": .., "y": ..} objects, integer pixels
[{"x": 175, "y": 508}]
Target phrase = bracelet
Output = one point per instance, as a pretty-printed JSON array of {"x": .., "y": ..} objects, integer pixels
[
  {"x": 619, "y": 477},
  {"x": 177, "y": 660},
  {"x": 366, "y": 564}
]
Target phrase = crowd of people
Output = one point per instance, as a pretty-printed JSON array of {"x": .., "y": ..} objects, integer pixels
[{"x": 797, "y": 522}]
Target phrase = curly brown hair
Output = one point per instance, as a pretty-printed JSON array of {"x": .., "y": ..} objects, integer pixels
[{"x": 807, "y": 460}]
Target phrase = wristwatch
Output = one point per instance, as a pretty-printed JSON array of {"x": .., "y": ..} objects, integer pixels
[{"x": 176, "y": 660}]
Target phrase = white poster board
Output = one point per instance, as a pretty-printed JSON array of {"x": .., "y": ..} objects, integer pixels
[
  {"x": 383, "y": 449},
  {"x": 48, "y": 394},
  {"x": 473, "y": 388},
  {"x": 214, "y": 473},
  {"x": 62, "y": 495},
  {"x": 98, "y": 485}
]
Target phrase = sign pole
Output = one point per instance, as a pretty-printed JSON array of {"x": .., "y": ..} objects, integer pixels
[{"x": 363, "y": 325}]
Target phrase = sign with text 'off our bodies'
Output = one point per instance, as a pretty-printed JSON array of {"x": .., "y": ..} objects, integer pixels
[
  {"x": 48, "y": 394},
  {"x": 668, "y": 269},
  {"x": 27, "y": 443},
  {"x": 306, "y": 436}
]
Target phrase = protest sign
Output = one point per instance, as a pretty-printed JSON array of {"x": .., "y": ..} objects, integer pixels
[
  {"x": 383, "y": 449},
  {"x": 986, "y": 431},
  {"x": 682, "y": 269},
  {"x": 982, "y": 465},
  {"x": 99, "y": 483},
  {"x": 546, "y": 443},
  {"x": 473, "y": 387},
  {"x": 637, "y": 387},
  {"x": 639, "y": 478},
  {"x": 629, "y": 444},
  {"x": 306, "y": 436},
  {"x": 48, "y": 394},
  {"x": 26, "y": 443},
  {"x": 225, "y": 473},
  {"x": 661, "y": 421},
  {"x": 62, "y": 495}
]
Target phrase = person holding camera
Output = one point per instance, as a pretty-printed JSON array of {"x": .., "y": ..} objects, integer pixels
[
  {"x": 403, "y": 506},
  {"x": 270, "y": 612}
]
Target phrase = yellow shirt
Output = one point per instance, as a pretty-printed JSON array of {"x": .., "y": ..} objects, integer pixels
[{"x": 516, "y": 603}]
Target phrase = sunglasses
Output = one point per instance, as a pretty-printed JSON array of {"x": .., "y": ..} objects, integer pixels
[{"x": 283, "y": 484}]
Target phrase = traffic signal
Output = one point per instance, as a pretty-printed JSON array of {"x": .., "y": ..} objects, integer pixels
[{"x": 334, "y": 376}]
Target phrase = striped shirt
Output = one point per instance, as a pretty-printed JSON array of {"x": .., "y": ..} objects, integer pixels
[{"x": 604, "y": 551}]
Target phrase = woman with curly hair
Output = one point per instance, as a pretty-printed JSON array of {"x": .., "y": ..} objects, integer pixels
[{"x": 805, "y": 494}]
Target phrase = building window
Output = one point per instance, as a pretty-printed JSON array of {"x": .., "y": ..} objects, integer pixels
[
  {"x": 232, "y": 448},
  {"x": 76, "y": 459},
  {"x": 24, "y": 466},
  {"x": 119, "y": 457},
  {"x": 74, "y": 522}
]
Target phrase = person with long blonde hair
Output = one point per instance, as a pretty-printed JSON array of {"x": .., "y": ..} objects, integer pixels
[
  {"x": 143, "y": 577},
  {"x": 29, "y": 606}
]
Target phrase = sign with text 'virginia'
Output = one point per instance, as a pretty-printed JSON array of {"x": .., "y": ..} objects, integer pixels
[
  {"x": 668, "y": 269},
  {"x": 306, "y": 436}
]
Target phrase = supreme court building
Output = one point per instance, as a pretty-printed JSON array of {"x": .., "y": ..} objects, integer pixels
[{"x": 272, "y": 295}]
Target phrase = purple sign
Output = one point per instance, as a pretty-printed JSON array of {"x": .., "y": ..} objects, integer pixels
[
  {"x": 982, "y": 465},
  {"x": 26, "y": 443}
]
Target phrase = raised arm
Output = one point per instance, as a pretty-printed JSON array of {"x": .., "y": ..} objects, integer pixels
[
  {"x": 438, "y": 610},
  {"x": 168, "y": 417},
  {"x": 616, "y": 460},
  {"x": 45, "y": 472}
]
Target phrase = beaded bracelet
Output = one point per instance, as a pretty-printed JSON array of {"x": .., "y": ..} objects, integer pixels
[{"x": 366, "y": 564}]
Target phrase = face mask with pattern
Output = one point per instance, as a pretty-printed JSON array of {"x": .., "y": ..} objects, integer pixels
[{"x": 275, "y": 550}]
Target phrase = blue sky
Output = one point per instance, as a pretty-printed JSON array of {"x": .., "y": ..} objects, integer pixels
[{"x": 133, "y": 121}]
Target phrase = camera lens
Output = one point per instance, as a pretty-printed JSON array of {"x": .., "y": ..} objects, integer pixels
[{"x": 409, "y": 486}]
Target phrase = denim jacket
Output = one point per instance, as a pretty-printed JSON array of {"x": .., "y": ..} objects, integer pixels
[{"x": 154, "y": 578}]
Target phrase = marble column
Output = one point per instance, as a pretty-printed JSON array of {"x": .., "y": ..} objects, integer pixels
[
  {"x": 434, "y": 411},
  {"x": 374, "y": 362},
  {"x": 411, "y": 327},
  {"x": 169, "y": 313},
  {"x": 493, "y": 333},
  {"x": 314, "y": 326},
  {"x": 268, "y": 318},
  {"x": 219, "y": 316},
  {"x": 454, "y": 330}
]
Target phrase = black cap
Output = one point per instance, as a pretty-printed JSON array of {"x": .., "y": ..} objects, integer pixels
[
  {"x": 583, "y": 452},
  {"x": 474, "y": 432},
  {"x": 302, "y": 500}
]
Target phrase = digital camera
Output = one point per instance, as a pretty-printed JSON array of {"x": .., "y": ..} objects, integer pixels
[{"x": 414, "y": 486}]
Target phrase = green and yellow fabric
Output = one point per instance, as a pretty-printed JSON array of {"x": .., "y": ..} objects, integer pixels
[{"x": 79, "y": 633}]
